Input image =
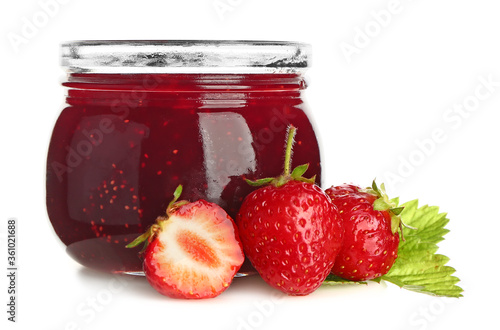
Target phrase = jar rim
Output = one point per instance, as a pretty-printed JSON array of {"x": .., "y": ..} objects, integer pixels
[{"x": 185, "y": 56}]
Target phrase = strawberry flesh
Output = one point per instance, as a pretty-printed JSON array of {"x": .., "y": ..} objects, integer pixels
[{"x": 197, "y": 248}]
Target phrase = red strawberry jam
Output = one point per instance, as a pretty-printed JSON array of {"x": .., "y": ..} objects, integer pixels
[{"x": 126, "y": 141}]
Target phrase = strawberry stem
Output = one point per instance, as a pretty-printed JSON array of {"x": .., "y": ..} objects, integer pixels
[
  {"x": 288, "y": 174},
  {"x": 288, "y": 151}
]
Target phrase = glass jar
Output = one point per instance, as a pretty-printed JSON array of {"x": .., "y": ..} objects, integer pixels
[{"x": 145, "y": 116}]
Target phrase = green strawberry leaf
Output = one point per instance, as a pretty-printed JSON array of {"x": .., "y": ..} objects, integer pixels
[
  {"x": 381, "y": 205},
  {"x": 418, "y": 267},
  {"x": 299, "y": 171},
  {"x": 397, "y": 210},
  {"x": 335, "y": 280},
  {"x": 259, "y": 182},
  {"x": 138, "y": 240}
]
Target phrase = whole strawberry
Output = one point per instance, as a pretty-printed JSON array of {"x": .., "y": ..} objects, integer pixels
[
  {"x": 371, "y": 231},
  {"x": 193, "y": 252},
  {"x": 290, "y": 230}
]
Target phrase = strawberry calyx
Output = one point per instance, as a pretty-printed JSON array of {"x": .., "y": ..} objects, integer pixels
[
  {"x": 175, "y": 203},
  {"x": 150, "y": 234},
  {"x": 383, "y": 203},
  {"x": 295, "y": 175}
]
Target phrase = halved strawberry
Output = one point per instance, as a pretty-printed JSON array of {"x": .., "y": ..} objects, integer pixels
[{"x": 193, "y": 252}]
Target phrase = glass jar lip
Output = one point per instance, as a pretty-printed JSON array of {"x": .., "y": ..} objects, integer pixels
[{"x": 185, "y": 56}]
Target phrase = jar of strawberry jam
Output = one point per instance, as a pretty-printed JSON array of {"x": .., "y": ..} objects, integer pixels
[{"x": 142, "y": 117}]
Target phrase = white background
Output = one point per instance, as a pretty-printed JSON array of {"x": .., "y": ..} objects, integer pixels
[{"x": 372, "y": 109}]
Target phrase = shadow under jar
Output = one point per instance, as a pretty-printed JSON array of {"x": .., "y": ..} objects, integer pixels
[{"x": 143, "y": 117}]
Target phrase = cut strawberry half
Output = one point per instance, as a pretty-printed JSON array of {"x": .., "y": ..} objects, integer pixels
[{"x": 194, "y": 252}]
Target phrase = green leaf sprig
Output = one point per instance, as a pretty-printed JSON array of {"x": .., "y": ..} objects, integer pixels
[{"x": 419, "y": 267}]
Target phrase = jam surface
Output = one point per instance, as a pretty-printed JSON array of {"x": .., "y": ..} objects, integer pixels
[{"x": 125, "y": 142}]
